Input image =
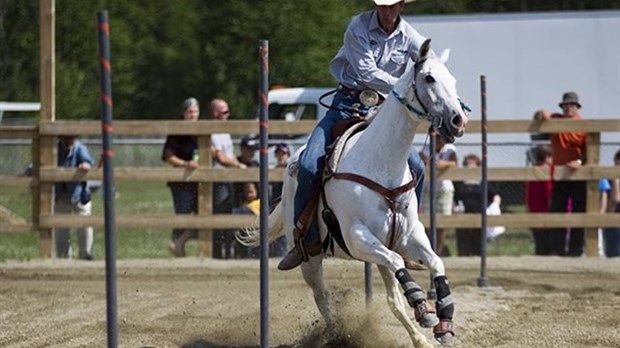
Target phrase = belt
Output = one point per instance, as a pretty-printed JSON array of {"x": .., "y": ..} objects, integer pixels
[{"x": 355, "y": 93}]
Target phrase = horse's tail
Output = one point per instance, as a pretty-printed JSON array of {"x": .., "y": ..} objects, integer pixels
[{"x": 250, "y": 236}]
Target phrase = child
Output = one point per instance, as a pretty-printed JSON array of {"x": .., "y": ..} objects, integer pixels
[{"x": 538, "y": 200}]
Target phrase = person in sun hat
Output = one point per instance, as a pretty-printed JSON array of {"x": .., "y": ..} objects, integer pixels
[{"x": 568, "y": 149}]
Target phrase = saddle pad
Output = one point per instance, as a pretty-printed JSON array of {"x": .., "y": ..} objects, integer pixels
[{"x": 338, "y": 146}]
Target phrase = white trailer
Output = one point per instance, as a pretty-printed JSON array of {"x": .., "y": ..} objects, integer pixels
[{"x": 531, "y": 59}]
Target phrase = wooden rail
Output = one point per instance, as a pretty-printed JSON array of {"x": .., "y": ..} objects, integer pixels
[{"x": 46, "y": 173}]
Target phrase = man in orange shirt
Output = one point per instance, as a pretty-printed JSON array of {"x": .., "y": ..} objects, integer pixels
[{"x": 569, "y": 149}]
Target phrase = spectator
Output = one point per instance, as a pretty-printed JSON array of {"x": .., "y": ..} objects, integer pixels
[
  {"x": 250, "y": 204},
  {"x": 223, "y": 156},
  {"x": 468, "y": 195},
  {"x": 181, "y": 151},
  {"x": 604, "y": 189},
  {"x": 282, "y": 153},
  {"x": 568, "y": 149},
  {"x": 248, "y": 148},
  {"x": 444, "y": 199},
  {"x": 73, "y": 198},
  {"x": 538, "y": 199},
  {"x": 611, "y": 235},
  {"x": 377, "y": 48}
]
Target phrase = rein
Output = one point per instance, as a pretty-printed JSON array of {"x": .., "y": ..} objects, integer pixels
[{"x": 388, "y": 194}]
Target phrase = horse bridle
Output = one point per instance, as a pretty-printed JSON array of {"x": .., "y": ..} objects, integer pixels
[
  {"x": 436, "y": 121},
  {"x": 423, "y": 114}
]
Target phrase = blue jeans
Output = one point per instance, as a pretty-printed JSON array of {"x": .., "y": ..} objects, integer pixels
[
  {"x": 611, "y": 235},
  {"x": 312, "y": 159},
  {"x": 185, "y": 199}
]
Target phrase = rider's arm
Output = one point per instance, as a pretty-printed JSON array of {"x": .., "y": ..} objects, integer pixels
[{"x": 359, "y": 54}]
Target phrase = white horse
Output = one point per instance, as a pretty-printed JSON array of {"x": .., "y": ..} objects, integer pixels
[{"x": 365, "y": 212}]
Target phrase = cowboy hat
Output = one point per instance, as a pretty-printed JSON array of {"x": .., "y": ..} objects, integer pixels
[
  {"x": 389, "y": 2},
  {"x": 570, "y": 98}
]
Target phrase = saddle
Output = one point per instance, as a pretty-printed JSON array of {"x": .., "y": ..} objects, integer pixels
[{"x": 341, "y": 132}]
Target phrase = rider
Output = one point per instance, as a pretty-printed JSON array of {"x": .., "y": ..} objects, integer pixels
[{"x": 376, "y": 50}]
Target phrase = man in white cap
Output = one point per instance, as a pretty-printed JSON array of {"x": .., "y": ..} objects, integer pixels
[{"x": 378, "y": 45}]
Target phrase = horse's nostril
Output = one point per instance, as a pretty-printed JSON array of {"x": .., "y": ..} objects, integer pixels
[{"x": 457, "y": 121}]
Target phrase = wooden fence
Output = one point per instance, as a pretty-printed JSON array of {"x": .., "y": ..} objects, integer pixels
[{"x": 46, "y": 173}]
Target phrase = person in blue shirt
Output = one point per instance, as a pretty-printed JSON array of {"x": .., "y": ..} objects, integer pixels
[
  {"x": 378, "y": 45},
  {"x": 611, "y": 191},
  {"x": 73, "y": 197}
]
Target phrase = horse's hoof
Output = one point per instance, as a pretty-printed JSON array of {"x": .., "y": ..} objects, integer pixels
[
  {"x": 446, "y": 339},
  {"x": 444, "y": 333},
  {"x": 425, "y": 315},
  {"x": 428, "y": 320}
]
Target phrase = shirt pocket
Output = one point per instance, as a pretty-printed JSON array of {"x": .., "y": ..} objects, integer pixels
[{"x": 398, "y": 58}]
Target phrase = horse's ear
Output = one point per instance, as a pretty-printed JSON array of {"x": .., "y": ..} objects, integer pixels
[
  {"x": 424, "y": 50},
  {"x": 445, "y": 55}
]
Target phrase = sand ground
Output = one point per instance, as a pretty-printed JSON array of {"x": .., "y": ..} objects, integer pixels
[{"x": 531, "y": 302}]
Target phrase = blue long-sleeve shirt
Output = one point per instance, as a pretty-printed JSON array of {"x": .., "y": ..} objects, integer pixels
[
  {"x": 369, "y": 58},
  {"x": 72, "y": 191}
]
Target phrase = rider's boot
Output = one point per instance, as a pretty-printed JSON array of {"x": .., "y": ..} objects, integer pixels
[{"x": 302, "y": 251}]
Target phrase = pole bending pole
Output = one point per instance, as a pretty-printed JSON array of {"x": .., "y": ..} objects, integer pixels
[
  {"x": 108, "y": 176},
  {"x": 263, "y": 96},
  {"x": 483, "y": 281},
  {"x": 432, "y": 294}
]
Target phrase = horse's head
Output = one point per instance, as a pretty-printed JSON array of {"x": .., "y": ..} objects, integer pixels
[{"x": 434, "y": 89}]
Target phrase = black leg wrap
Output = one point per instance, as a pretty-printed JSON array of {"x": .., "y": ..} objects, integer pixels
[
  {"x": 413, "y": 291},
  {"x": 444, "y": 304}
]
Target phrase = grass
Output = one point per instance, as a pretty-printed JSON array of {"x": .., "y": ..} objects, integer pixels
[{"x": 154, "y": 198}]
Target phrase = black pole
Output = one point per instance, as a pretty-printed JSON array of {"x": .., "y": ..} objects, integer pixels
[
  {"x": 368, "y": 282},
  {"x": 108, "y": 177},
  {"x": 432, "y": 295},
  {"x": 483, "y": 281},
  {"x": 263, "y": 94}
]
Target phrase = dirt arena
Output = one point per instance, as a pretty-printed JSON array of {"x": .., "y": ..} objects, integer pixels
[{"x": 531, "y": 302}]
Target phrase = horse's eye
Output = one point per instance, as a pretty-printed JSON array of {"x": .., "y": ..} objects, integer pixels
[{"x": 430, "y": 79}]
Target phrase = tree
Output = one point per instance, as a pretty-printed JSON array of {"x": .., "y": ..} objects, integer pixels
[{"x": 166, "y": 51}]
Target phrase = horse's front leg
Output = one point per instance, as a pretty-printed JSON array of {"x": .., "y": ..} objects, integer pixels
[
  {"x": 366, "y": 247},
  {"x": 312, "y": 272},
  {"x": 419, "y": 247},
  {"x": 397, "y": 306}
]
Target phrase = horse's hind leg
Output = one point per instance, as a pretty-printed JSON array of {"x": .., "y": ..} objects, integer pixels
[
  {"x": 312, "y": 272},
  {"x": 397, "y": 306},
  {"x": 366, "y": 247}
]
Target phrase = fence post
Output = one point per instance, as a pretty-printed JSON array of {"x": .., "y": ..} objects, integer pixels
[
  {"x": 205, "y": 197},
  {"x": 47, "y": 153},
  {"x": 593, "y": 151}
]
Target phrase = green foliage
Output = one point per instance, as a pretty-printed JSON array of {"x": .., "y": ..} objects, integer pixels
[{"x": 165, "y": 51}]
